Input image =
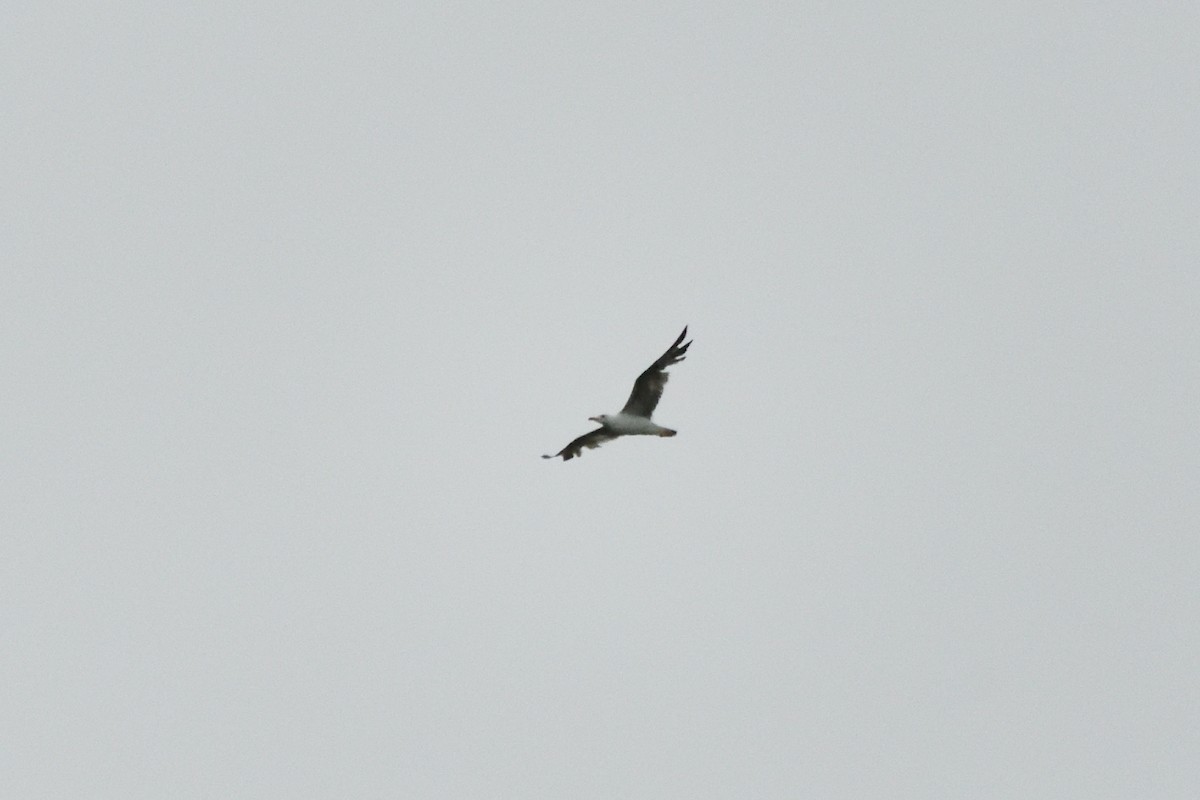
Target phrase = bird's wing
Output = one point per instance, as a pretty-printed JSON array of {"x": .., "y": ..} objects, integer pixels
[
  {"x": 648, "y": 388},
  {"x": 590, "y": 440}
]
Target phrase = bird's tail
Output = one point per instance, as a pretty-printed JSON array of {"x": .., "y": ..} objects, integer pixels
[{"x": 667, "y": 432}]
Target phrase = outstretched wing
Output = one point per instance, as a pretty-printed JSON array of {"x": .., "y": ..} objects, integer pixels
[
  {"x": 590, "y": 440},
  {"x": 648, "y": 388}
]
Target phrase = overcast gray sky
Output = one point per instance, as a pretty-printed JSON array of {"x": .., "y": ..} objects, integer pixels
[{"x": 295, "y": 295}]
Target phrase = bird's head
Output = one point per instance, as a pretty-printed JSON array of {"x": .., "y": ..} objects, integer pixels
[{"x": 602, "y": 419}]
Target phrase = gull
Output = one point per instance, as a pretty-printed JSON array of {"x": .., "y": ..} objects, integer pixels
[{"x": 634, "y": 418}]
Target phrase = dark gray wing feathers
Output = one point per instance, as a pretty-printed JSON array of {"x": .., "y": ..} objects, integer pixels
[
  {"x": 590, "y": 440},
  {"x": 648, "y": 388}
]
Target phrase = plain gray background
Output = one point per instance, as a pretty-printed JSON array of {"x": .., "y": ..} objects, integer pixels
[{"x": 295, "y": 294}]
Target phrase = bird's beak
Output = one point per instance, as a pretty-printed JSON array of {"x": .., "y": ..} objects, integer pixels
[{"x": 593, "y": 419}]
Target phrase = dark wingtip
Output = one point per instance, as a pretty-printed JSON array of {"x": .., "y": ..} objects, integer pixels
[
  {"x": 547, "y": 456},
  {"x": 681, "y": 337},
  {"x": 682, "y": 348}
]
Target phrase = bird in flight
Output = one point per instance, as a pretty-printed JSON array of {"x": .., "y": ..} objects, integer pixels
[{"x": 634, "y": 419}]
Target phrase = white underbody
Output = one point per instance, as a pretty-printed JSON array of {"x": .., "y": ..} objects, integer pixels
[{"x": 630, "y": 425}]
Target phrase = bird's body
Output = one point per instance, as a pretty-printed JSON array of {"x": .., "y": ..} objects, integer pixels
[
  {"x": 632, "y": 425},
  {"x": 634, "y": 418}
]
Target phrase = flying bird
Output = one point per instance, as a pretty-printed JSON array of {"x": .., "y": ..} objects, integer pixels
[{"x": 634, "y": 419}]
